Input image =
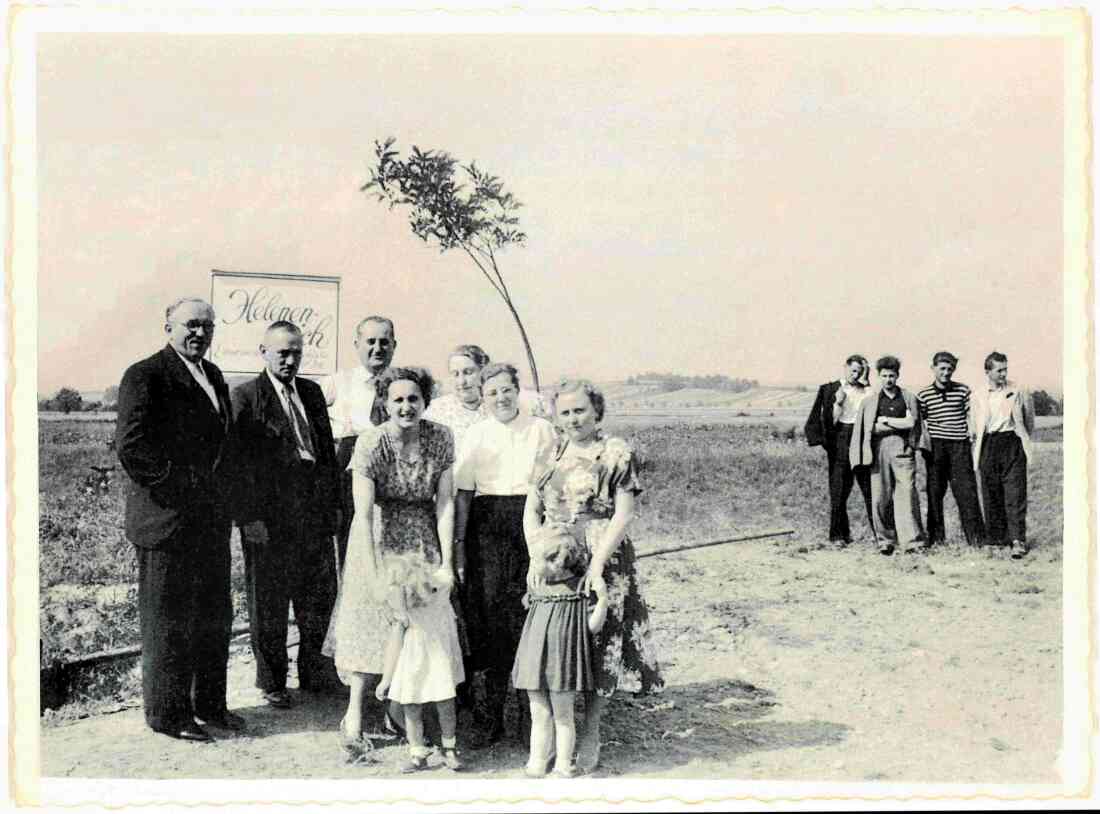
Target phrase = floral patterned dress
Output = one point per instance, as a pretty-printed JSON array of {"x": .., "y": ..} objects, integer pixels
[
  {"x": 580, "y": 492},
  {"x": 405, "y": 492}
]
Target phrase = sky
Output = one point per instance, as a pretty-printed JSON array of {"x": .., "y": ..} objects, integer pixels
[{"x": 757, "y": 206}]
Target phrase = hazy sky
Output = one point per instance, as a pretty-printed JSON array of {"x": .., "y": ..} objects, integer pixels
[{"x": 757, "y": 206}]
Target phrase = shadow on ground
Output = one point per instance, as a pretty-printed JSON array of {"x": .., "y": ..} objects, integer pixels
[{"x": 720, "y": 720}]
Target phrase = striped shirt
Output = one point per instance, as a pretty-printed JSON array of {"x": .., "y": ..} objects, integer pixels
[{"x": 945, "y": 411}]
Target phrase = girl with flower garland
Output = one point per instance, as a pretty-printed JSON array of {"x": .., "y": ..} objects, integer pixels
[
  {"x": 422, "y": 660},
  {"x": 589, "y": 484}
]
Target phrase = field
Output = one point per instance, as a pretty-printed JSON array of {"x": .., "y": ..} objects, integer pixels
[{"x": 785, "y": 658}]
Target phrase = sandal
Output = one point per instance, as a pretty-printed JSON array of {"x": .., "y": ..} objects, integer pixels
[
  {"x": 356, "y": 748},
  {"x": 392, "y": 727},
  {"x": 588, "y": 763},
  {"x": 451, "y": 759},
  {"x": 415, "y": 763}
]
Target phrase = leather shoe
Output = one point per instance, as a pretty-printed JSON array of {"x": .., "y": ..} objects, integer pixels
[
  {"x": 280, "y": 699},
  {"x": 188, "y": 732},
  {"x": 226, "y": 720}
]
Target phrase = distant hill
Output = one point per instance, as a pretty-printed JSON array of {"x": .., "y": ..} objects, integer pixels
[{"x": 634, "y": 397}]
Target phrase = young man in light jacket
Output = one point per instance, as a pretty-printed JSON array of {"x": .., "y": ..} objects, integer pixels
[
  {"x": 886, "y": 434},
  {"x": 1004, "y": 418}
]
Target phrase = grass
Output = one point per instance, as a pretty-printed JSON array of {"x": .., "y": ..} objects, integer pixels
[{"x": 701, "y": 482}]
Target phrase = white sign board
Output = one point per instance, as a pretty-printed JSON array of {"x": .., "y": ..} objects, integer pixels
[{"x": 245, "y": 304}]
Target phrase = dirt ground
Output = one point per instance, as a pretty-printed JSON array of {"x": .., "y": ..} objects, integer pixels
[{"x": 784, "y": 661}]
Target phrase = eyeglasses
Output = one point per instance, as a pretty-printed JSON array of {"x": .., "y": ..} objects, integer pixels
[{"x": 195, "y": 324}]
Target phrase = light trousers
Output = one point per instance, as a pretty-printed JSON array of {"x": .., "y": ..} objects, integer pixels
[{"x": 894, "y": 493}]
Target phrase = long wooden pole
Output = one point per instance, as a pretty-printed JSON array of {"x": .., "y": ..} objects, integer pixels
[{"x": 690, "y": 546}]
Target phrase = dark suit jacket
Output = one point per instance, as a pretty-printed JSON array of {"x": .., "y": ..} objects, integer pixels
[
  {"x": 176, "y": 448},
  {"x": 268, "y": 450},
  {"x": 820, "y": 428}
]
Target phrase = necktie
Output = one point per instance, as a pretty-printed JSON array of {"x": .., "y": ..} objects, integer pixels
[{"x": 301, "y": 426}]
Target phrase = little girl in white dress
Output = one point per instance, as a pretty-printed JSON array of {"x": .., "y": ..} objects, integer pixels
[{"x": 423, "y": 659}]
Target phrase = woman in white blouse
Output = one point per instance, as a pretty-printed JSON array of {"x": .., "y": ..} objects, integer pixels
[{"x": 495, "y": 470}]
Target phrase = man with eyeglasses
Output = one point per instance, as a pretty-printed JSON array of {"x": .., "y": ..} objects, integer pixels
[{"x": 175, "y": 437}]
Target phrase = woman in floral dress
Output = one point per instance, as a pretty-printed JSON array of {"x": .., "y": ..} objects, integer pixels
[
  {"x": 403, "y": 465},
  {"x": 590, "y": 484}
]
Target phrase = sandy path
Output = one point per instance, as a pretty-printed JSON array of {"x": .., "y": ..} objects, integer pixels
[{"x": 782, "y": 662}]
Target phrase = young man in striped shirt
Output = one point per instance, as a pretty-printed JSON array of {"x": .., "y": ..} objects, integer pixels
[{"x": 945, "y": 410}]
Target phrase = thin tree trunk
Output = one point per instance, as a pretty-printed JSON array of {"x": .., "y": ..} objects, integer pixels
[{"x": 526, "y": 344}]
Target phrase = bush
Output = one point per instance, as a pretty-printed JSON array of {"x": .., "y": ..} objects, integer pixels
[
  {"x": 68, "y": 400},
  {"x": 1045, "y": 404}
]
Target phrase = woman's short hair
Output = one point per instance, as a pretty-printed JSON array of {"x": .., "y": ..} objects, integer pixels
[
  {"x": 888, "y": 363},
  {"x": 496, "y": 368},
  {"x": 473, "y": 352},
  {"x": 595, "y": 396},
  {"x": 419, "y": 375}
]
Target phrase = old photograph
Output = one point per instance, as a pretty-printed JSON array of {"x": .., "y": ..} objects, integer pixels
[{"x": 564, "y": 407}]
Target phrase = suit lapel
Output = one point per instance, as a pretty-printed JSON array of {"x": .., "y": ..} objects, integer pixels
[
  {"x": 272, "y": 407},
  {"x": 183, "y": 378}
]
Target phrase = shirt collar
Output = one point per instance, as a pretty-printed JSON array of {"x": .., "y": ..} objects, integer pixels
[
  {"x": 191, "y": 365},
  {"x": 517, "y": 424},
  {"x": 362, "y": 374},
  {"x": 278, "y": 385}
]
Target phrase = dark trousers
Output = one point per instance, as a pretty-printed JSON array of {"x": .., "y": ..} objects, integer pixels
[
  {"x": 295, "y": 566},
  {"x": 841, "y": 478},
  {"x": 344, "y": 449},
  {"x": 496, "y": 580},
  {"x": 1004, "y": 487},
  {"x": 951, "y": 462},
  {"x": 186, "y": 615}
]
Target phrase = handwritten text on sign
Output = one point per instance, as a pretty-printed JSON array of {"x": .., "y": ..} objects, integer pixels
[{"x": 246, "y": 304}]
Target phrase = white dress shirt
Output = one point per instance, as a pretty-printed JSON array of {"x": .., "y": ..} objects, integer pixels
[
  {"x": 349, "y": 394},
  {"x": 854, "y": 396},
  {"x": 199, "y": 375},
  {"x": 1000, "y": 410},
  {"x": 499, "y": 459},
  {"x": 280, "y": 390}
]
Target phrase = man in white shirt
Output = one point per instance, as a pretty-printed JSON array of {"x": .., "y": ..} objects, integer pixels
[
  {"x": 829, "y": 425},
  {"x": 1003, "y": 417},
  {"x": 287, "y": 511},
  {"x": 353, "y": 407}
]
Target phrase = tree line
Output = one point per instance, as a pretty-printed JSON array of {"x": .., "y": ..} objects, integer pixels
[
  {"x": 670, "y": 382},
  {"x": 69, "y": 400}
]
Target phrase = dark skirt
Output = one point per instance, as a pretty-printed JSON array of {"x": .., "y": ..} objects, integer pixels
[
  {"x": 555, "y": 651},
  {"x": 496, "y": 580}
]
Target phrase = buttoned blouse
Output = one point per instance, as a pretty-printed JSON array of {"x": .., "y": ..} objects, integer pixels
[
  {"x": 349, "y": 394},
  {"x": 499, "y": 459}
]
